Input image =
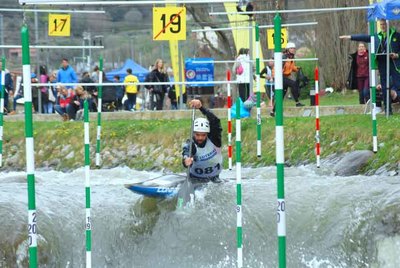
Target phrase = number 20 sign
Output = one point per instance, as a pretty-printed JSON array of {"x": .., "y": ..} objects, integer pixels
[
  {"x": 59, "y": 25},
  {"x": 169, "y": 23}
]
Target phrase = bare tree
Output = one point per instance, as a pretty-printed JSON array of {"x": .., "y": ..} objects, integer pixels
[
  {"x": 200, "y": 14},
  {"x": 226, "y": 47},
  {"x": 331, "y": 51}
]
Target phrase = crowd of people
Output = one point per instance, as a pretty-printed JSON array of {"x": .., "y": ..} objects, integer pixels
[
  {"x": 243, "y": 68},
  {"x": 67, "y": 100},
  {"x": 386, "y": 44}
]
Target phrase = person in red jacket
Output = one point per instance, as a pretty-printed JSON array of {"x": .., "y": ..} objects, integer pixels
[
  {"x": 359, "y": 73},
  {"x": 64, "y": 99}
]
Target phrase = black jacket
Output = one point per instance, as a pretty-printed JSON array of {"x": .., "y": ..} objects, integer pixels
[
  {"x": 351, "y": 79},
  {"x": 156, "y": 76}
]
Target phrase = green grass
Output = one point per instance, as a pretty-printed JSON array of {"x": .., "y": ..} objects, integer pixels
[
  {"x": 349, "y": 97},
  {"x": 337, "y": 98},
  {"x": 339, "y": 134}
]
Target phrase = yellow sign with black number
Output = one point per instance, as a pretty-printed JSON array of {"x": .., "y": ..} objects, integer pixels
[
  {"x": 270, "y": 38},
  {"x": 59, "y": 24},
  {"x": 169, "y": 23}
]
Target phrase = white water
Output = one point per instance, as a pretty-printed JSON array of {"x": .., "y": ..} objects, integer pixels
[{"x": 331, "y": 221}]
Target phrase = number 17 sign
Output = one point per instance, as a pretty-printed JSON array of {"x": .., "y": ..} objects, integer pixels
[
  {"x": 59, "y": 25},
  {"x": 169, "y": 23}
]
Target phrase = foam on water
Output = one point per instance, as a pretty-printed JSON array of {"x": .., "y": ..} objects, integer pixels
[
  {"x": 331, "y": 221},
  {"x": 388, "y": 254}
]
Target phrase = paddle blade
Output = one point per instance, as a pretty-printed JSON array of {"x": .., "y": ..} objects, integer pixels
[{"x": 185, "y": 192}]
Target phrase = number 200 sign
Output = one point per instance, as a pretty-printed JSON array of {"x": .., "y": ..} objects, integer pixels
[
  {"x": 59, "y": 25},
  {"x": 169, "y": 23}
]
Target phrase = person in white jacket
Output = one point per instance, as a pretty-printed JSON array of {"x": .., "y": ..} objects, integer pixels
[{"x": 242, "y": 70}]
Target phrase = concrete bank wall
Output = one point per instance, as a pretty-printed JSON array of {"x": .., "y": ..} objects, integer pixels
[{"x": 179, "y": 114}]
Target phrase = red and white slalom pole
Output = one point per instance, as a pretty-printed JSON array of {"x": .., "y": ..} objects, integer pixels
[
  {"x": 229, "y": 100},
  {"x": 317, "y": 141}
]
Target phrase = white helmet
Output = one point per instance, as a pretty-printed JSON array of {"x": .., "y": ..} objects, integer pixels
[
  {"x": 290, "y": 45},
  {"x": 201, "y": 125}
]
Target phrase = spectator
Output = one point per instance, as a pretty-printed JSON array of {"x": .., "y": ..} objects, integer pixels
[
  {"x": 76, "y": 102},
  {"x": 44, "y": 91},
  {"x": 249, "y": 7},
  {"x": 64, "y": 99},
  {"x": 268, "y": 73},
  {"x": 171, "y": 90},
  {"x": 52, "y": 90},
  {"x": 131, "y": 90},
  {"x": 109, "y": 98},
  {"x": 359, "y": 73},
  {"x": 95, "y": 74},
  {"x": 35, "y": 92},
  {"x": 395, "y": 95},
  {"x": 289, "y": 68},
  {"x": 91, "y": 90},
  {"x": 242, "y": 70},
  {"x": 119, "y": 92},
  {"x": 8, "y": 83},
  {"x": 19, "y": 94},
  {"x": 157, "y": 92},
  {"x": 66, "y": 74},
  {"x": 381, "y": 52}
]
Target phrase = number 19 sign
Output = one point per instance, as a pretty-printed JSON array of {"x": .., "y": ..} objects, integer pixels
[
  {"x": 169, "y": 23},
  {"x": 59, "y": 25}
]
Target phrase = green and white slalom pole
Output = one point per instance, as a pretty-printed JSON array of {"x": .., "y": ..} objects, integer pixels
[
  {"x": 2, "y": 89},
  {"x": 279, "y": 141},
  {"x": 373, "y": 87},
  {"x": 30, "y": 156},
  {"x": 258, "y": 91},
  {"x": 99, "y": 104},
  {"x": 239, "y": 232},
  {"x": 87, "y": 187}
]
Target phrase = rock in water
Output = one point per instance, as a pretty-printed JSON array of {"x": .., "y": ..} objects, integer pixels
[{"x": 352, "y": 163}]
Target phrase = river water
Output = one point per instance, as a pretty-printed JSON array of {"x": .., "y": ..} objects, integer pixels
[{"x": 331, "y": 221}]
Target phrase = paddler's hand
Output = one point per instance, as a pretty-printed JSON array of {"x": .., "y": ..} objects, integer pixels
[
  {"x": 195, "y": 104},
  {"x": 188, "y": 161}
]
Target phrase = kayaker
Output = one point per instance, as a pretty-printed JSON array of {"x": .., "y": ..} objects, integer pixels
[{"x": 205, "y": 160}]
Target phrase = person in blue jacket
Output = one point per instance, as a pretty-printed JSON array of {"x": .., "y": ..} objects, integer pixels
[
  {"x": 66, "y": 74},
  {"x": 381, "y": 41}
]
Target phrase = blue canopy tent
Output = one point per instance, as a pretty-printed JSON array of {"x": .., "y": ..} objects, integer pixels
[
  {"x": 387, "y": 10},
  {"x": 137, "y": 70}
]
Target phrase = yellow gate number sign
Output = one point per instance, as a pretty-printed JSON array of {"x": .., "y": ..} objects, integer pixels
[
  {"x": 169, "y": 23},
  {"x": 270, "y": 38},
  {"x": 59, "y": 25}
]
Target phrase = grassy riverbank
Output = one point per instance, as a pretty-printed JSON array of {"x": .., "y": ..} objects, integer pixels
[{"x": 156, "y": 144}]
